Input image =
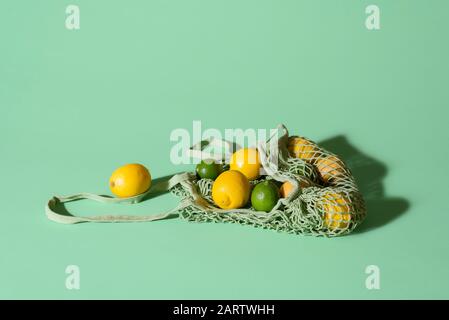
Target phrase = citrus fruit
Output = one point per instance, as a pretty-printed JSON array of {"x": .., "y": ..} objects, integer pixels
[
  {"x": 247, "y": 162},
  {"x": 329, "y": 167},
  {"x": 337, "y": 211},
  {"x": 286, "y": 189},
  {"x": 130, "y": 180},
  {"x": 265, "y": 195},
  {"x": 302, "y": 148},
  {"x": 208, "y": 169},
  {"x": 231, "y": 190}
]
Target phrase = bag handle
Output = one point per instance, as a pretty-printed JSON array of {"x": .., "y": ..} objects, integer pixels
[
  {"x": 162, "y": 186},
  {"x": 197, "y": 150}
]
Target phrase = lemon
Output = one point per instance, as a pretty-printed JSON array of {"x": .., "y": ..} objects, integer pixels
[
  {"x": 265, "y": 195},
  {"x": 208, "y": 169},
  {"x": 329, "y": 167},
  {"x": 130, "y": 180},
  {"x": 231, "y": 190},
  {"x": 246, "y": 161},
  {"x": 337, "y": 211},
  {"x": 302, "y": 148}
]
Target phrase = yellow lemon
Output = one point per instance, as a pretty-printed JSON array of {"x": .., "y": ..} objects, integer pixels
[
  {"x": 302, "y": 148},
  {"x": 247, "y": 162},
  {"x": 231, "y": 190},
  {"x": 337, "y": 211},
  {"x": 329, "y": 167},
  {"x": 130, "y": 180}
]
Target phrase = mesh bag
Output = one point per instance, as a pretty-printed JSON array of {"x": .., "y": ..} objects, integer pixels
[{"x": 324, "y": 201}]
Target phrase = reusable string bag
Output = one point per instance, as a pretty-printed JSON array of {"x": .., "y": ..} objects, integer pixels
[{"x": 324, "y": 201}]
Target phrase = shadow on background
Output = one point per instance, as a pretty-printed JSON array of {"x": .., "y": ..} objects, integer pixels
[
  {"x": 159, "y": 186},
  {"x": 369, "y": 174}
]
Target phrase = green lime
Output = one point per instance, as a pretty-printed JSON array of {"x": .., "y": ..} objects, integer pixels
[
  {"x": 265, "y": 195},
  {"x": 208, "y": 169}
]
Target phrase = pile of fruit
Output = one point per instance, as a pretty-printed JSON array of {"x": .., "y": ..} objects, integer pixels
[
  {"x": 309, "y": 190},
  {"x": 235, "y": 188},
  {"x": 241, "y": 185}
]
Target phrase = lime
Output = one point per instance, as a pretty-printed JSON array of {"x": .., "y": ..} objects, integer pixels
[
  {"x": 208, "y": 169},
  {"x": 265, "y": 195}
]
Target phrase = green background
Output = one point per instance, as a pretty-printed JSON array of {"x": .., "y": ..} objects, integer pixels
[{"x": 77, "y": 104}]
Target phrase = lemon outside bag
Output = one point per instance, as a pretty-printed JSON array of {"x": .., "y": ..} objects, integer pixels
[{"x": 324, "y": 201}]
